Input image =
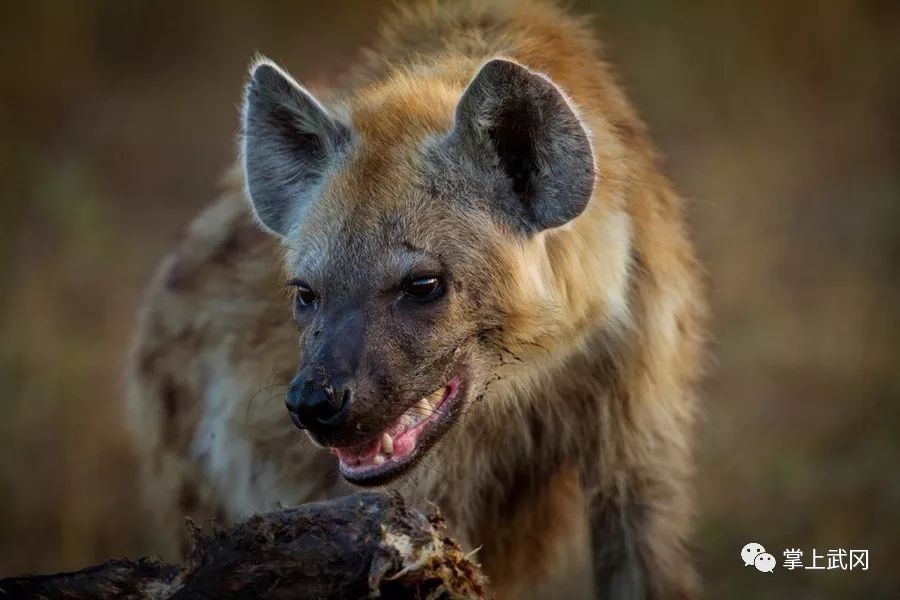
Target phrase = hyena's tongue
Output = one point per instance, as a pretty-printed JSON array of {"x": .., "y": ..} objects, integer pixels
[
  {"x": 400, "y": 439},
  {"x": 358, "y": 455}
]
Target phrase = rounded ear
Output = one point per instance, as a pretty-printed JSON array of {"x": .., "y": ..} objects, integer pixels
[
  {"x": 517, "y": 123},
  {"x": 289, "y": 143}
]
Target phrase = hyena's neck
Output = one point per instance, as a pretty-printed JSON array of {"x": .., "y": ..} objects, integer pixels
[
  {"x": 515, "y": 439},
  {"x": 590, "y": 402}
]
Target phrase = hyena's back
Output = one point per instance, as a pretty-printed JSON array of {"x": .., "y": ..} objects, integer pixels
[{"x": 207, "y": 376}]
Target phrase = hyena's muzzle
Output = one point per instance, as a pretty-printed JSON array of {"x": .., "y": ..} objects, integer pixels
[{"x": 364, "y": 402}]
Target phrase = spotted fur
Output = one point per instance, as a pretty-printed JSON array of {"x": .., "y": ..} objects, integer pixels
[{"x": 582, "y": 323}]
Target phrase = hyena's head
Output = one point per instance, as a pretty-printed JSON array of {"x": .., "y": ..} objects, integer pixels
[{"x": 412, "y": 218}]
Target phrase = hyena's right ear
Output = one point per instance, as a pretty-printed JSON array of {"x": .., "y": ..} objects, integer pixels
[{"x": 289, "y": 143}]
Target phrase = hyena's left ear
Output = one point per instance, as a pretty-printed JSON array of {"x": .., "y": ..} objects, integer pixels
[
  {"x": 519, "y": 129},
  {"x": 289, "y": 144}
]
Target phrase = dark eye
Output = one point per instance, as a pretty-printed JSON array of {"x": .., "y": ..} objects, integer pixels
[
  {"x": 423, "y": 289},
  {"x": 305, "y": 296}
]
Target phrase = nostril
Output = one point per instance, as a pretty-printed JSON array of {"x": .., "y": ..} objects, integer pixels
[
  {"x": 292, "y": 399},
  {"x": 333, "y": 412},
  {"x": 295, "y": 419},
  {"x": 294, "y": 403}
]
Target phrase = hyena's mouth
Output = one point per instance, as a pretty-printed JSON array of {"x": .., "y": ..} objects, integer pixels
[{"x": 405, "y": 441}]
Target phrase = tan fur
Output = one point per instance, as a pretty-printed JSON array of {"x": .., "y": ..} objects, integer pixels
[{"x": 603, "y": 331}]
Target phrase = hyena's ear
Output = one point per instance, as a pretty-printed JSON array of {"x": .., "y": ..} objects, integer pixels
[
  {"x": 289, "y": 143},
  {"x": 524, "y": 132}
]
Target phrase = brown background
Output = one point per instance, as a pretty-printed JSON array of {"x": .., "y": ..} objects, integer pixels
[{"x": 779, "y": 120}]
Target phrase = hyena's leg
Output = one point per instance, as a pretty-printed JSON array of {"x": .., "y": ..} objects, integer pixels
[
  {"x": 536, "y": 548},
  {"x": 617, "y": 566},
  {"x": 638, "y": 540}
]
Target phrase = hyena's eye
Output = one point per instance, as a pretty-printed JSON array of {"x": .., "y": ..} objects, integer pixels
[
  {"x": 423, "y": 289},
  {"x": 305, "y": 296}
]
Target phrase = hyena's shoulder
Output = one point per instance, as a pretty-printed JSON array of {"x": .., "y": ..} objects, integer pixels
[
  {"x": 211, "y": 269},
  {"x": 206, "y": 374}
]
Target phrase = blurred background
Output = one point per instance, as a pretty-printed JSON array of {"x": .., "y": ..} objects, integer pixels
[{"x": 780, "y": 121}]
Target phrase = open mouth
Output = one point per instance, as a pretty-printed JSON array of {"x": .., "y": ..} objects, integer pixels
[{"x": 404, "y": 441}]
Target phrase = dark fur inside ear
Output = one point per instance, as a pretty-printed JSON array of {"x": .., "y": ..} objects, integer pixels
[
  {"x": 515, "y": 125},
  {"x": 289, "y": 143},
  {"x": 513, "y": 142}
]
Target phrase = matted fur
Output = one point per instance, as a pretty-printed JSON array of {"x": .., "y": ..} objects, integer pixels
[{"x": 586, "y": 424}]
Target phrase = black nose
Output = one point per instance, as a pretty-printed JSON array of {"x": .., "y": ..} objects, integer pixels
[{"x": 317, "y": 407}]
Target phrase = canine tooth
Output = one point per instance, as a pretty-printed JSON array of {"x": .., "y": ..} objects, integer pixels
[
  {"x": 435, "y": 397},
  {"x": 387, "y": 443},
  {"x": 379, "y": 459}
]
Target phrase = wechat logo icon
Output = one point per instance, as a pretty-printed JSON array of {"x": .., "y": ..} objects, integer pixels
[{"x": 754, "y": 555}]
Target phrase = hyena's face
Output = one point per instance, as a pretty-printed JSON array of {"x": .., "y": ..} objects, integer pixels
[{"x": 403, "y": 229}]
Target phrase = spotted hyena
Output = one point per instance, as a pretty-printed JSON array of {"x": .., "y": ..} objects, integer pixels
[{"x": 496, "y": 307}]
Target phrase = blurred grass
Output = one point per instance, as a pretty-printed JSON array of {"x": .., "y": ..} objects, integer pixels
[{"x": 780, "y": 121}]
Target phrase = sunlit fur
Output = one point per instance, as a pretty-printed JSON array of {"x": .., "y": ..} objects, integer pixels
[{"x": 582, "y": 426}]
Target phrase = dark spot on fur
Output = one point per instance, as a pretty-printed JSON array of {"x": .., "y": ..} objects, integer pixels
[
  {"x": 254, "y": 475},
  {"x": 178, "y": 276},
  {"x": 170, "y": 399},
  {"x": 239, "y": 239},
  {"x": 638, "y": 264},
  {"x": 147, "y": 363},
  {"x": 188, "y": 499},
  {"x": 171, "y": 396},
  {"x": 681, "y": 321},
  {"x": 626, "y": 132}
]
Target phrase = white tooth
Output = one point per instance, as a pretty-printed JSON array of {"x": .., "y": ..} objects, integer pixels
[
  {"x": 387, "y": 443},
  {"x": 379, "y": 459},
  {"x": 433, "y": 398},
  {"x": 422, "y": 405}
]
